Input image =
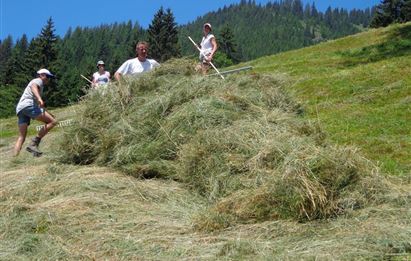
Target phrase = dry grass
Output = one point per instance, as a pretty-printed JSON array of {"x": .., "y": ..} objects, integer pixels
[
  {"x": 53, "y": 211},
  {"x": 236, "y": 174},
  {"x": 239, "y": 143},
  {"x": 69, "y": 212}
]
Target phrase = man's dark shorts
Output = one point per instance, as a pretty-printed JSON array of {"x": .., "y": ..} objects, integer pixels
[{"x": 28, "y": 113}]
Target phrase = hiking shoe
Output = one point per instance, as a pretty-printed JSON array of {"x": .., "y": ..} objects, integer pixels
[
  {"x": 34, "y": 147},
  {"x": 34, "y": 150}
]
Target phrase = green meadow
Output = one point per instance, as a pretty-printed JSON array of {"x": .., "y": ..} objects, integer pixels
[{"x": 359, "y": 88}]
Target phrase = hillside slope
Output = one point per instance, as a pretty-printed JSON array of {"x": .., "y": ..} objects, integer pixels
[
  {"x": 359, "y": 88},
  {"x": 216, "y": 170}
]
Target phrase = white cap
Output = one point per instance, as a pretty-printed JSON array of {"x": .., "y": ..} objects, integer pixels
[
  {"x": 46, "y": 72},
  {"x": 207, "y": 24},
  {"x": 99, "y": 63}
]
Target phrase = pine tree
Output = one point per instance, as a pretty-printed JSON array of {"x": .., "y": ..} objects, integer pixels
[
  {"x": 172, "y": 46},
  {"x": 163, "y": 36},
  {"x": 156, "y": 34},
  {"x": 406, "y": 11},
  {"x": 31, "y": 60},
  {"x": 314, "y": 11},
  {"x": 47, "y": 41},
  {"x": 5, "y": 55},
  {"x": 227, "y": 44},
  {"x": 307, "y": 11},
  {"x": 41, "y": 52},
  {"x": 328, "y": 17},
  {"x": 47, "y": 58},
  {"x": 389, "y": 11},
  {"x": 9, "y": 66},
  {"x": 308, "y": 35},
  {"x": 298, "y": 8},
  {"x": 15, "y": 68}
]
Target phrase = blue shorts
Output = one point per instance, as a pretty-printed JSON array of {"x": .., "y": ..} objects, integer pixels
[{"x": 28, "y": 113}]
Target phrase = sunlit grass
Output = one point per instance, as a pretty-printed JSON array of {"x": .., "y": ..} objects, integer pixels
[{"x": 359, "y": 88}]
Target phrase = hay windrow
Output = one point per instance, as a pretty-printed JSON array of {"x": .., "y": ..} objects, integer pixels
[{"x": 240, "y": 143}]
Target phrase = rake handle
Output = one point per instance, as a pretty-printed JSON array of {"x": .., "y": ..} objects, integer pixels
[
  {"x": 203, "y": 54},
  {"x": 85, "y": 78}
]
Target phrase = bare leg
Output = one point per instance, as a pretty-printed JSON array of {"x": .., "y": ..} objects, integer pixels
[
  {"x": 49, "y": 121},
  {"x": 205, "y": 67},
  {"x": 198, "y": 68},
  {"x": 20, "y": 139}
]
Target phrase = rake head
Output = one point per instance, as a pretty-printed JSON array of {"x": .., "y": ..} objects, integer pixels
[{"x": 64, "y": 123}]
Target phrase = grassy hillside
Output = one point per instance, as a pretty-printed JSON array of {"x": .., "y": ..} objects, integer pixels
[
  {"x": 359, "y": 88},
  {"x": 231, "y": 170}
]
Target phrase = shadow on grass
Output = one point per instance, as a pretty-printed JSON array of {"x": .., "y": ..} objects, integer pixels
[{"x": 398, "y": 44}]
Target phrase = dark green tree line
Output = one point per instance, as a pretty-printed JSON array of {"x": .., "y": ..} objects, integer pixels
[
  {"x": 277, "y": 26},
  {"x": 76, "y": 53},
  {"x": 392, "y": 11},
  {"x": 244, "y": 31}
]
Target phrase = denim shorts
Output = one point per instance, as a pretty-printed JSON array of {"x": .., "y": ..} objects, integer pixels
[{"x": 28, "y": 113}]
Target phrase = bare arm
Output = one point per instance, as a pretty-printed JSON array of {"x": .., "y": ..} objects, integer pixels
[
  {"x": 215, "y": 46},
  {"x": 94, "y": 80},
  {"x": 118, "y": 76},
  {"x": 36, "y": 91}
]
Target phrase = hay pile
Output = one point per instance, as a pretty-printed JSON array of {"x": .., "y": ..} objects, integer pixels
[{"x": 240, "y": 143}]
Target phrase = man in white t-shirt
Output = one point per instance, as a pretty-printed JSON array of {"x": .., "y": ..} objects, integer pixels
[
  {"x": 101, "y": 77},
  {"x": 137, "y": 65}
]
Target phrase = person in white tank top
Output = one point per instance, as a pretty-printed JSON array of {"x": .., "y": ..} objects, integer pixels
[
  {"x": 101, "y": 77},
  {"x": 208, "y": 48}
]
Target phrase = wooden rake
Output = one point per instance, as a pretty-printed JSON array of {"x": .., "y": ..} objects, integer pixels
[{"x": 64, "y": 123}]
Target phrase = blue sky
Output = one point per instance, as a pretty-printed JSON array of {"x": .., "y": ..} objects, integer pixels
[{"x": 29, "y": 16}]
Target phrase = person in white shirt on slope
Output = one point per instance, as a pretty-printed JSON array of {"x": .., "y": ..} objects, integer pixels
[
  {"x": 208, "y": 48},
  {"x": 32, "y": 106},
  {"x": 137, "y": 65},
  {"x": 101, "y": 77}
]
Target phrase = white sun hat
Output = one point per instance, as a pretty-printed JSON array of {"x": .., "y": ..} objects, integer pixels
[
  {"x": 207, "y": 24},
  {"x": 100, "y": 63},
  {"x": 46, "y": 72}
]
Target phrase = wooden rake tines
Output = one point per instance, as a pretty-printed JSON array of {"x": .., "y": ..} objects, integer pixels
[{"x": 64, "y": 123}]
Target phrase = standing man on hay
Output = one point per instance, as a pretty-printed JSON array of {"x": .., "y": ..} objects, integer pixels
[
  {"x": 137, "y": 65},
  {"x": 32, "y": 106}
]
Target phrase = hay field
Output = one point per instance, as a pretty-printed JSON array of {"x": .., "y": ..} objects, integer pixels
[{"x": 178, "y": 166}]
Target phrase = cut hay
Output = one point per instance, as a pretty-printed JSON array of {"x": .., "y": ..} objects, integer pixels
[{"x": 241, "y": 143}]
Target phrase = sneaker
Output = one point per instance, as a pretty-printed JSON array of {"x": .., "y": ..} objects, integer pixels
[
  {"x": 34, "y": 150},
  {"x": 34, "y": 147}
]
